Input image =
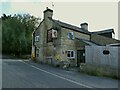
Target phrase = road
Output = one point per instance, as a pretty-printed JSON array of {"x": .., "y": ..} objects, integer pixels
[{"x": 27, "y": 74}]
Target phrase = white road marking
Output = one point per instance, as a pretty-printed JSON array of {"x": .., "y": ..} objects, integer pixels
[{"x": 59, "y": 76}]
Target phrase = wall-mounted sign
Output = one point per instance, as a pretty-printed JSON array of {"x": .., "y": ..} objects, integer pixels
[
  {"x": 54, "y": 33},
  {"x": 51, "y": 34},
  {"x": 106, "y": 52}
]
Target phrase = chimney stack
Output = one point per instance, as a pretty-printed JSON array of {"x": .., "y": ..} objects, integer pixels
[
  {"x": 84, "y": 26},
  {"x": 48, "y": 13}
]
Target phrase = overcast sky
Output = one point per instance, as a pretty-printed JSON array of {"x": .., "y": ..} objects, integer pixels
[{"x": 99, "y": 15}]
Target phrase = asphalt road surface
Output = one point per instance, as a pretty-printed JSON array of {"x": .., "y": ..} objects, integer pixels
[{"x": 27, "y": 74}]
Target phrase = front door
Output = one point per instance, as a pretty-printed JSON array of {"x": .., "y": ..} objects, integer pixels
[{"x": 80, "y": 57}]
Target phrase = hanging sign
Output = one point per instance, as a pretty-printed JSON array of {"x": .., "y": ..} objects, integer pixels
[{"x": 54, "y": 33}]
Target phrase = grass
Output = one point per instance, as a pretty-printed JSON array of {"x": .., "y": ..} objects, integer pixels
[{"x": 100, "y": 71}]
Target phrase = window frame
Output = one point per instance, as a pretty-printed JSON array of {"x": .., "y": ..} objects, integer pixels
[
  {"x": 72, "y": 33},
  {"x": 71, "y": 54},
  {"x": 36, "y": 38}
]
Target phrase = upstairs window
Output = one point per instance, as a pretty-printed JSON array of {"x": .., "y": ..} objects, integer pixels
[
  {"x": 71, "y": 54},
  {"x": 51, "y": 34},
  {"x": 36, "y": 38},
  {"x": 70, "y": 35}
]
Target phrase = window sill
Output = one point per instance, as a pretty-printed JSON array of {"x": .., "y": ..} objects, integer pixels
[{"x": 71, "y": 57}]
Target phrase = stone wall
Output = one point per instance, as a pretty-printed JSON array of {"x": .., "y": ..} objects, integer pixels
[{"x": 69, "y": 44}]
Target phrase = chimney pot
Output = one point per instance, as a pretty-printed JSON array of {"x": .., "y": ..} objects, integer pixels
[{"x": 48, "y": 13}]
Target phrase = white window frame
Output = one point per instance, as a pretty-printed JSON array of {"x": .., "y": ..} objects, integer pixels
[
  {"x": 36, "y": 38},
  {"x": 70, "y": 54},
  {"x": 71, "y": 34}
]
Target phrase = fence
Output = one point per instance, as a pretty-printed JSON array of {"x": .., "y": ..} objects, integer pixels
[{"x": 102, "y": 55}]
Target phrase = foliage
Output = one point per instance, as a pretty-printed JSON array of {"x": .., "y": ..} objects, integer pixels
[{"x": 17, "y": 33}]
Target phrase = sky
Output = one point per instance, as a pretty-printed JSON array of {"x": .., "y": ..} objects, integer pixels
[{"x": 99, "y": 14}]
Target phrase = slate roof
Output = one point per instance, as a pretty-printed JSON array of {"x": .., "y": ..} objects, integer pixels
[
  {"x": 75, "y": 28},
  {"x": 104, "y": 31},
  {"x": 88, "y": 42},
  {"x": 115, "y": 44},
  {"x": 69, "y": 26}
]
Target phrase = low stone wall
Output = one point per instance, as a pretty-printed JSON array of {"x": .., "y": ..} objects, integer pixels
[{"x": 104, "y": 71}]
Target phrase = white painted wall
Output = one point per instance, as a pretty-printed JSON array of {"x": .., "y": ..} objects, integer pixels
[{"x": 94, "y": 55}]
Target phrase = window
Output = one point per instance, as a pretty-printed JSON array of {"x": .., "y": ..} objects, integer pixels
[
  {"x": 37, "y": 55},
  {"x": 70, "y": 35},
  {"x": 37, "y": 52},
  {"x": 36, "y": 38},
  {"x": 71, "y": 54}
]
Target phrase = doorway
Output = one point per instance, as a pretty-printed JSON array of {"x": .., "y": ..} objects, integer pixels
[{"x": 80, "y": 57}]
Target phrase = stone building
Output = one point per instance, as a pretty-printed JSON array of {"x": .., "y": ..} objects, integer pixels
[{"x": 55, "y": 42}]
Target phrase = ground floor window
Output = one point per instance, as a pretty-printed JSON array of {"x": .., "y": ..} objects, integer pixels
[
  {"x": 36, "y": 38},
  {"x": 70, "y": 53},
  {"x": 37, "y": 52}
]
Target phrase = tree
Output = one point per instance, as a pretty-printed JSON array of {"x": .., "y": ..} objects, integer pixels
[{"x": 17, "y": 33}]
